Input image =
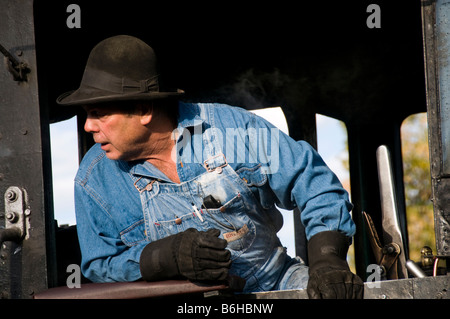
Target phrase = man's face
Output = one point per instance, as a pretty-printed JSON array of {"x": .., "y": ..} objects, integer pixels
[{"x": 119, "y": 132}]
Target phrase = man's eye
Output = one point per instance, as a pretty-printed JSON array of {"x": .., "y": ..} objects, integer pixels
[{"x": 97, "y": 113}]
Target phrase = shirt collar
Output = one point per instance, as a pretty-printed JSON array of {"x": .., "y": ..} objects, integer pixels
[
  {"x": 189, "y": 115},
  {"x": 145, "y": 169}
]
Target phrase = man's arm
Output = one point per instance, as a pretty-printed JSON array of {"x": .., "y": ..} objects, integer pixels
[
  {"x": 298, "y": 176},
  {"x": 325, "y": 212},
  {"x": 105, "y": 258}
]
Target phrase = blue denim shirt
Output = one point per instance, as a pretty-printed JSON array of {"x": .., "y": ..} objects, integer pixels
[{"x": 240, "y": 159}]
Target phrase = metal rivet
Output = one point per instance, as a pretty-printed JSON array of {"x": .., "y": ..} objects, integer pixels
[
  {"x": 11, "y": 217},
  {"x": 178, "y": 221},
  {"x": 11, "y": 196}
]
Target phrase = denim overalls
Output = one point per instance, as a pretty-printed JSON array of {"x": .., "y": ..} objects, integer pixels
[{"x": 169, "y": 208}]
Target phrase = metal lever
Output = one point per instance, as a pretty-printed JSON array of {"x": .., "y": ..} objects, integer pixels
[
  {"x": 390, "y": 222},
  {"x": 385, "y": 255},
  {"x": 16, "y": 213},
  {"x": 18, "y": 69}
]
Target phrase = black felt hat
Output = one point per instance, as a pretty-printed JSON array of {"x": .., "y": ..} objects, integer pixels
[{"x": 119, "y": 68}]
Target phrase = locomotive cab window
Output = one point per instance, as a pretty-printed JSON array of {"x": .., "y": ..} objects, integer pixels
[
  {"x": 64, "y": 151},
  {"x": 417, "y": 182},
  {"x": 332, "y": 145}
]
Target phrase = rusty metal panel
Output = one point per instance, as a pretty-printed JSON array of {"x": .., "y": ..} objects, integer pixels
[
  {"x": 432, "y": 288},
  {"x": 131, "y": 290},
  {"x": 443, "y": 66},
  {"x": 390, "y": 289},
  {"x": 412, "y": 288},
  {"x": 435, "y": 24},
  {"x": 24, "y": 265}
]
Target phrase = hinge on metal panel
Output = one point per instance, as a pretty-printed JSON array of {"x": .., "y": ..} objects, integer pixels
[{"x": 16, "y": 215}]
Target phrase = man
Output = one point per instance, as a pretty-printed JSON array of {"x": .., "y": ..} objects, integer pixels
[{"x": 178, "y": 190}]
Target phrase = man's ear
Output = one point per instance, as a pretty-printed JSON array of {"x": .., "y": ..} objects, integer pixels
[{"x": 145, "y": 112}]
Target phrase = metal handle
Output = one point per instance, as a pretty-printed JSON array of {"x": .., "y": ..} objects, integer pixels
[
  {"x": 414, "y": 269},
  {"x": 10, "y": 234}
]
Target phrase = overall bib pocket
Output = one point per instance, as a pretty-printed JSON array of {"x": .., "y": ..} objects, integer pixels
[
  {"x": 234, "y": 224},
  {"x": 231, "y": 219}
]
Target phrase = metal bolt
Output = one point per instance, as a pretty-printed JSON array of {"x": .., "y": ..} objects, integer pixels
[
  {"x": 11, "y": 216},
  {"x": 382, "y": 270},
  {"x": 388, "y": 249},
  {"x": 440, "y": 295},
  {"x": 11, "y": 196}
]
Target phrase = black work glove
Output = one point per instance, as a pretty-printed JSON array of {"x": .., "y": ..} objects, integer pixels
[
  {"x": 329, "y": 274},
  {"x": 193, "y": 254}
]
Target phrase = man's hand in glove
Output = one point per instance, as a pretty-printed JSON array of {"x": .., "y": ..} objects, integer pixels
[
  {"x": 329, "y": 274},
  {"x": 193, "y": 254}
]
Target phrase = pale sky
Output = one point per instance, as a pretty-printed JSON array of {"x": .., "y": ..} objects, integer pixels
[{"x": 331, "y": 139}]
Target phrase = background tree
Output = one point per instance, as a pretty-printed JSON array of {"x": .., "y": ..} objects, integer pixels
[{"x": 416, "y": 170}]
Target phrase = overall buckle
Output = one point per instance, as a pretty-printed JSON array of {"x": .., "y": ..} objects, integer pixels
[{"x": 216, "y": 162}]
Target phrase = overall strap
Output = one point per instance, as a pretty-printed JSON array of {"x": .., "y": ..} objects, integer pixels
[{"x": 140, "y": 182}]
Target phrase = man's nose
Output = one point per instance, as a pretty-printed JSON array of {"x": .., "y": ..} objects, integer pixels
[{"x": 90, "y": 126}]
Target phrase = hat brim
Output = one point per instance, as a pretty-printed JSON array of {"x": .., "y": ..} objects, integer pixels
[{"x": 84, "y": 96}]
